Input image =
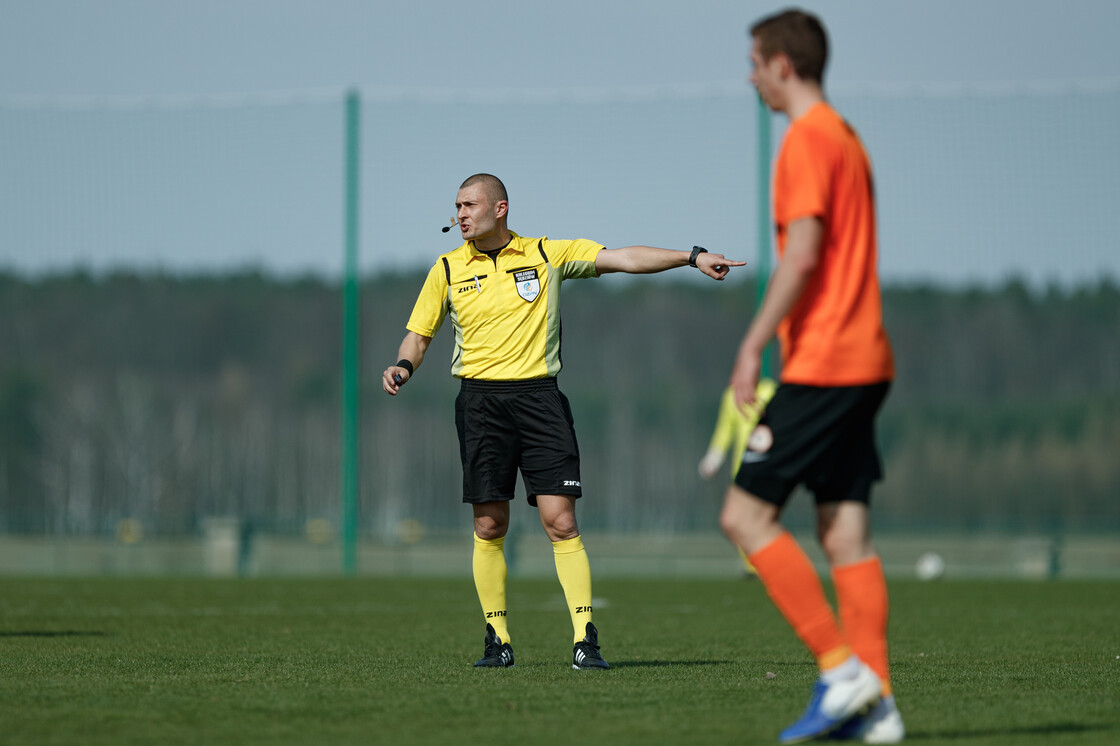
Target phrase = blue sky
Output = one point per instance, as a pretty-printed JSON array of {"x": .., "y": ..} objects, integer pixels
[
  {"x": 444, "y": 72},
  {"x": 157, "y": 47}
]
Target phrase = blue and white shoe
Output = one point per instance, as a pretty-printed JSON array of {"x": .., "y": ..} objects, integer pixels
[
  {"x": 881, "y": 724},
  {"x": 832, "y": 705}
]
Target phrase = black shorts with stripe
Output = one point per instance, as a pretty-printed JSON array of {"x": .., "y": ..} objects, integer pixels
[
  {"x": 506, "y": 426},
  {"x": 822, "y": 437}
]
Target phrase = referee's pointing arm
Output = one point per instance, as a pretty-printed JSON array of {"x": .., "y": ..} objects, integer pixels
[{"x": 640, "y": 260}]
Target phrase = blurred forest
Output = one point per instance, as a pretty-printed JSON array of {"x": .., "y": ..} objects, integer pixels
[{"x": 167, "y": 399}]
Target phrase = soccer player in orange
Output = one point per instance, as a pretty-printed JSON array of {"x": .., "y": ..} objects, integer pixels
[{"x": 823, "y": 303}]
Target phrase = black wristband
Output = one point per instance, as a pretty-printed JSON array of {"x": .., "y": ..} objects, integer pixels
[
  {"x": 696, "y": 251},
  {"x": 406, "y": 364}
]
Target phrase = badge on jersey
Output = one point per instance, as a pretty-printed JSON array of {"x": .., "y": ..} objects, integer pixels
[{"x": 528, "y": 284}]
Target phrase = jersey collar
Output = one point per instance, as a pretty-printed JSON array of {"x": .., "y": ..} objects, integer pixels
[{"x": 516, "y": 245}]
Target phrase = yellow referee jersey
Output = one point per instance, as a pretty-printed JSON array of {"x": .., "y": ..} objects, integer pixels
[{"x": 505, "y": 310}]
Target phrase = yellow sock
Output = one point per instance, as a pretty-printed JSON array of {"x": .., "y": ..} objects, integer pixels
[
  {"x": 489, "y": 564},
  {"x": 746, "y": 562},
  {"x": 574, "y": 572}
]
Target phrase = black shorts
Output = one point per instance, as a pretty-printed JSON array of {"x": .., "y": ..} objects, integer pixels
[
  {"x": 509, "y": 425},
  {"x": 822, "y": 437}
]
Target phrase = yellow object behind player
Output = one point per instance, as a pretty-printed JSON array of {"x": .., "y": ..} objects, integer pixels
[
  {"x": 732, "y": 432},
  {"x": 733, "y": 429}
]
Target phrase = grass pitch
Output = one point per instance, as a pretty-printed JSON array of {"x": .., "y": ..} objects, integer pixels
[{"x": 373, "y": 661}]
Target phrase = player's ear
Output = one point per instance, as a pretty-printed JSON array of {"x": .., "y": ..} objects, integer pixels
[
  {"x": 785, "y": 65},
  {"x": 501, "y": 208}
]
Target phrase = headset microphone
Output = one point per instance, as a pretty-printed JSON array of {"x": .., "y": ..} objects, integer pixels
[{"x": 454, "y": 222}]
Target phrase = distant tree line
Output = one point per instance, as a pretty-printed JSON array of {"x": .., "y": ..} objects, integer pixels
[{"x": 166, "y": 399}]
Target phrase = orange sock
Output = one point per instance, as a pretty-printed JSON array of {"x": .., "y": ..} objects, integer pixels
[
  {"x": 861, "y": 593},
  {"x": 796, "y": 590}
]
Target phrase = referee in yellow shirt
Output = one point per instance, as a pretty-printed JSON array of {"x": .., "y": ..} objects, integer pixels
[{"x": 501, "y": 292}]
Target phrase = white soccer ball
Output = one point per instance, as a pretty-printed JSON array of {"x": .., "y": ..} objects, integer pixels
[{"x": 930, "y": 566}]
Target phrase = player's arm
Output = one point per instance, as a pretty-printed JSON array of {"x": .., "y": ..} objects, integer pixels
[
  {"x": 412, "y": 349},
  {"x": 799, "y": 262},
  {"x": 641, "y": 260}
]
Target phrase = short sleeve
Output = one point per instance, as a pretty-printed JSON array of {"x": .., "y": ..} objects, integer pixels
[
  {"x": 431, "y": 305},
  {"x": 801, "y": 181},
  {"x": 573, "y": 258}
]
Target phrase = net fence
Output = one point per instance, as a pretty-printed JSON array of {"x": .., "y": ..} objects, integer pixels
[{"x": 218, "y": 223}]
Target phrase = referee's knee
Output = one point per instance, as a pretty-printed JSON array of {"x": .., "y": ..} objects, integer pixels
[
  {"x": 490, "y": 527},
  {"x": 561, "y": 527}
]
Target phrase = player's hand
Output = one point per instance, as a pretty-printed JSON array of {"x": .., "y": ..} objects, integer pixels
[
  {"x": 745, "y": 375},
  {"x": 393, "y": 378},
  {"x": 716, "y": 266}
]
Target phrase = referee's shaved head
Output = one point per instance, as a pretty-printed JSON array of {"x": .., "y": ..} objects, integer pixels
[{"x": 494, "y": 187}]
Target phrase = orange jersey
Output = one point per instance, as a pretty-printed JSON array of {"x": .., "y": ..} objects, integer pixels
[{"x": 834, "y": 335}]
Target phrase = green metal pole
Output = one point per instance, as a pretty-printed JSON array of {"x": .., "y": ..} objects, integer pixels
[
  {"x": 762, "y": 276},
  {"x": 350, "y": 344}
]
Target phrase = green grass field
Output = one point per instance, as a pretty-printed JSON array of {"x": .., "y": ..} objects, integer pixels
[{"x": 367, "y": 661}]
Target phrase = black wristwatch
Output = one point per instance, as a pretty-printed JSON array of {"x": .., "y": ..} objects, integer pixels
[{"x": 696, "y": 251}]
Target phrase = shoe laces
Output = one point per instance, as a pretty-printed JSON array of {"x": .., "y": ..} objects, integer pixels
[{"x": 590, "y": 649}]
